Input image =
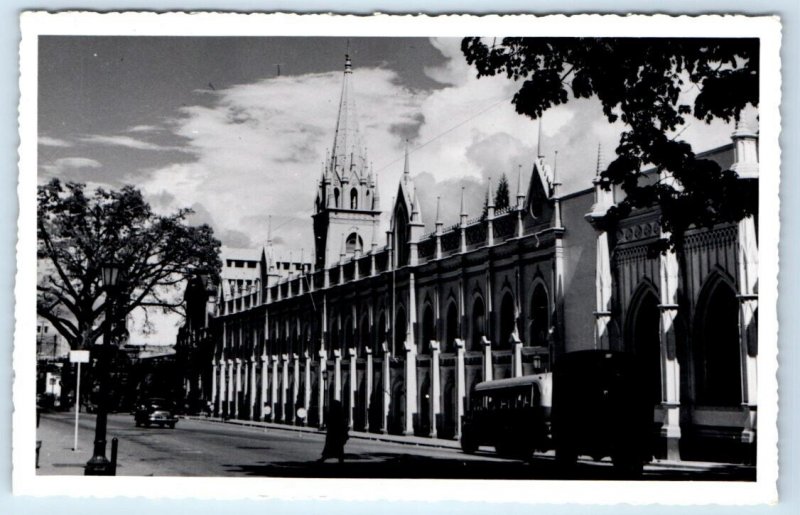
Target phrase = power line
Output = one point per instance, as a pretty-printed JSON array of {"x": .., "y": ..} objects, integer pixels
[{"x": 451, "y": 129}]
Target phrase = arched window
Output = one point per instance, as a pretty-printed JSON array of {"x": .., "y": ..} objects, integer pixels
[
  {"x": 428, "y": 329},
  {"x": 380, "y": 333},
  {"x": 718, "y": 370},
  {"x": 336, "y": 197},
  {"x": 478, "y": 323},
  {"x": 353, "y": 243},
  {"x": 452, "y": 327},
  {"x": 643, "y": 337},
  {"x": 347, "y": 333},
  {"x": 508, "y": 320},
  {"x": 399, "y": 331},
  {"x": 540, "y": 317},
  {"x": 364, "y": 335},
  {"x": 354, "y": 199}
]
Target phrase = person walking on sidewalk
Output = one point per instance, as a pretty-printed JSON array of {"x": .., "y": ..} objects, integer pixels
[{"x": 337, "y": 433}]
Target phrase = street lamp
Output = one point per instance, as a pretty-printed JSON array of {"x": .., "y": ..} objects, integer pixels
[{"x": 99, "y": 465}]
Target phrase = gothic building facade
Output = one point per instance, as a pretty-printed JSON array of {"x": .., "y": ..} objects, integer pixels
[{"x": 400, "y": 327}]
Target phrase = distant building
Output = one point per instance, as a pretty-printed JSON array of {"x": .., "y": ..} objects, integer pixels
[{"x": 401, "y": 331}]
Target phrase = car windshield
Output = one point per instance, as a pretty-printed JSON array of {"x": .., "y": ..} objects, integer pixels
[{"x": 160, "y": 403}]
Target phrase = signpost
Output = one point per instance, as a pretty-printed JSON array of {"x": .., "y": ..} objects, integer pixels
[{"x": 78, "y": 356}]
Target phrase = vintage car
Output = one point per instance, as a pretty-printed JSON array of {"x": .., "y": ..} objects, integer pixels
[{"x": 155, "y": 411}]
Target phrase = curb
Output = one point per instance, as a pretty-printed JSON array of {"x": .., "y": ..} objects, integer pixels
[{"x": 403, "y": 440}]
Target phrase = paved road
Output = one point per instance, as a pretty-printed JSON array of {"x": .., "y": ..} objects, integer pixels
[{"x": 205, "y": 448}]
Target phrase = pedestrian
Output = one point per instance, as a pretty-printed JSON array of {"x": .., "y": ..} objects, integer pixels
[{"x": 337, "y": 433}]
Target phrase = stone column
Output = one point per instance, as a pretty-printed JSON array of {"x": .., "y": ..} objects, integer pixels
[
  {"x": 306, "y": 385},
  {"x": 245, "y": 385},
  {"x": 386, "y": 378},
  {"x": 284, "y": 387},
  {"x": 262, "y": 412},
  {"x": 295, "y": 385},
  {"x": 214, "y": 372},
  {"x": 410, "y": 387},
  {"x": 748, "y": 331},
  {"x": 237, "y": 387},
  {"x": 461, "y": 384},
  {"x": 337, "y": 375},
  {"x": 435, "y": 387},
  {"x": 516, "y": 362},
  {"x": 603, "y": 289},
  {"x": 368, "y": 388},
  {"x": 274, "y": 395},
  {"x": 488, "y": 370},
  {"x": 253, "y": 392},
  {"x": 670, "y": 367},
  {"x": 231, "y": 389},
  {"x": 323, "y": 365},
  {"x": 221, "y": 398},
  {"x": 353, "y": 384}
]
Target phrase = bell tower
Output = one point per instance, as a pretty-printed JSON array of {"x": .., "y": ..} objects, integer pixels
[{"x": 347, "y": 206}]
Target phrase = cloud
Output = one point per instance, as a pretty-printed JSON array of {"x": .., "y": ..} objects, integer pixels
[
  {"x": 54, "y": 142},
  {"x": 258, "y": 148},
  {"x": 128, "y": 142},
  {"x": 145, "y": 128},
  {"x": 74, "y": 169}
]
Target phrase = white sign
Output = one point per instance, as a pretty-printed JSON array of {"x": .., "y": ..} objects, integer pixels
[{"x": 79, "y": 356}]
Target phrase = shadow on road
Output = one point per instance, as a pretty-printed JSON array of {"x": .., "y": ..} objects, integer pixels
[{"x": 406, "y": 466}]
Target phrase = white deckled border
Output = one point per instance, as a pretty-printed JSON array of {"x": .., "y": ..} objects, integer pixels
[{"x": 768, "y": 29}]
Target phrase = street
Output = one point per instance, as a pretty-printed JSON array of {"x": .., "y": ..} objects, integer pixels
[{"x": 209, "y": 448}]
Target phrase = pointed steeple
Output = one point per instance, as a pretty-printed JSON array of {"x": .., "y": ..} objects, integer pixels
[
  {"x": 348, "y": 152},
  {"x": 438, "y": 211},
  {"x": 406, "y": 166},
  {"x": 520, "y": 190},
  {"x": 489, "y": 196}
]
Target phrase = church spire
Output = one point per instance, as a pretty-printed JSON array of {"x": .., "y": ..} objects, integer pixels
[{"x": 348, "y": 154}]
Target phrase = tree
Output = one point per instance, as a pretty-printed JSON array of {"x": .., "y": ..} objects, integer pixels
[
  {"x": 79, "y": 232},
  {"x": 502, "y": 198},
  {"x": 645, "y": 83}
]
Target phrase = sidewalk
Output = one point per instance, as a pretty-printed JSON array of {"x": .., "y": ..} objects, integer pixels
[{"x": 57, "y": 457}]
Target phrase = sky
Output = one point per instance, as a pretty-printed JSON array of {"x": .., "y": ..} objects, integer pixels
[{"x": 238, "y": 128}]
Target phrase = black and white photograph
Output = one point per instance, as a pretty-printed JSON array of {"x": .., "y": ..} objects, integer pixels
[{"x": 266, "y": 252}]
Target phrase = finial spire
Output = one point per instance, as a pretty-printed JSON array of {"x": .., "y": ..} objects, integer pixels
[
  {"x": 519, "y": 181},
  {"x": 555, "y": 170},
  {"x": 489, "y": 196},
  {"x": 269, "y": 230},
  {"x": 415, "y": 207},
  {"x": 463, "y": 207},
  {"x": 438, "y": 210},
  {"x": 406, "y": 167},
  {"x": 539, "y": 151},
  {"x": 599, "y": 158}
]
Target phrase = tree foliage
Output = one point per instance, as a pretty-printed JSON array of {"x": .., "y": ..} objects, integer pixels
[
  {"x": 652, "y": 86},
  {"x": 78, "y": 232},
  {"x": 502, "y": 197}
]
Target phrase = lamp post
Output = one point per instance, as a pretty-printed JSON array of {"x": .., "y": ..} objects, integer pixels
[{"x": 99, "y": 465}]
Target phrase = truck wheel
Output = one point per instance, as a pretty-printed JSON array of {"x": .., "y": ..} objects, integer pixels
[{"x": 468, "y": 443}]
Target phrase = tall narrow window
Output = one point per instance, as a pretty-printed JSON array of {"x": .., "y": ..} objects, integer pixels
[
  {"x": 540, "y": 321},
  {"x": 336, "y": 197},
  {"x": 354, "y": 199},
  {"x": 478, "y": 323}
]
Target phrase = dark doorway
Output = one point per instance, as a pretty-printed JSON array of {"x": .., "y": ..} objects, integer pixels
[
  {"x": 644, "y": 340},
  {"x": 718, "y": 364},
  {"x": 508, "y": 320}
]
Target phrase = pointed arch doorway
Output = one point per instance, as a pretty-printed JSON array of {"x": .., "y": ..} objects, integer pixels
[{"x": 643, "y": 339}]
